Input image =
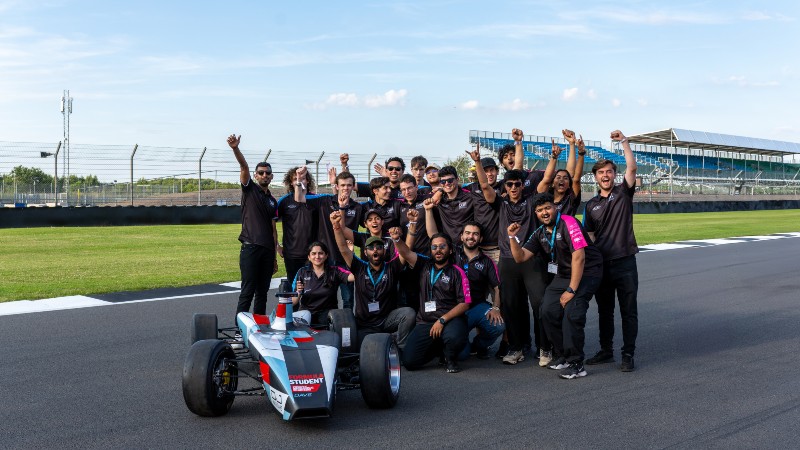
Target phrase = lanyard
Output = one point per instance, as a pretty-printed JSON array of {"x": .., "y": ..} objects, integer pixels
[
  {"x": 433, "y": 281},
  {"x": 375, "y": 283},
  {"x": 553, "y": 239}
]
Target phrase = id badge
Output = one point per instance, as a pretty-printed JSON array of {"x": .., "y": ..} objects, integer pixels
[
  {"x": 430, "y": 306},
  {"x": 552, "y": 268},
  {"x": 374, "y": 307}
]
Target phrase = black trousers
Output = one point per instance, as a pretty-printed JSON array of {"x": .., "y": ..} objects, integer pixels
[
  {"x": 564, "y": 325},
  {"x": 256, "y": 264},
  {"x": 520, "y": 285},
  {"x": 620, "y": 277},
  {"x": 421, "y": 347}
]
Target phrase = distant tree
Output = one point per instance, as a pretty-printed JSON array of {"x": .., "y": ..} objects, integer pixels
[
  {"x": 462, "y": 165},
  {"x": 27, "y": 175}
]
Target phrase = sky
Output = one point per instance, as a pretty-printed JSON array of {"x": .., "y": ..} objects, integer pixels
[{"x": 394, "y": 77}]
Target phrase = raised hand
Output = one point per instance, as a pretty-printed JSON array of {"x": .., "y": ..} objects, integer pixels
[
  {"x": 381, "y": 170},
  {"x": 300, "y": 174},
  {"x": 513, "y": 229},
  {"x": 428, "y": 204},
  {"x": 517, "y": 134},
  {"x": 475, "y": 154},
  {"x": 556, "y": 149},
  {"x": 395, "y": 233},
  {"x": 617, "y": 135},
  {"x": 412, "y": 214},
  {"x": 233, "y": 141},
  {"x": 332, "y": 176},
  {"x": 344, "y": 158},
  {"x": 569, "y": 136},
  {"x": 336, "y": 219},
  {"x": 581, "y": 146}
]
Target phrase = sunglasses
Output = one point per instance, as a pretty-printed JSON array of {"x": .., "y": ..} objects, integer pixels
[
  {"x": 431, "y": 171},
  {"x": 438, "y": 247},
  {"x": 264, "y": 172},
  {"x": 374, "y": 247},
  {"x": 513, "y": 183},
  {"x": 394, "y": 169},
  {"x": 447, "y": 180}
]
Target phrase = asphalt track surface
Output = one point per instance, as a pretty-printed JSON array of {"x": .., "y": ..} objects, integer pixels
[{"x": 716, "y": 364}]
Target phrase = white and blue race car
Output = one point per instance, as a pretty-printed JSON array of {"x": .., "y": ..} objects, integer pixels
[{"x": 299, "y": 367}]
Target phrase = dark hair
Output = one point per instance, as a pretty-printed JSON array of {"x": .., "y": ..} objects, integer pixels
[
  {"x": 445, "y": 237},
  {"x": 326, "y": 276},
  {"x": 447, "y": 170},
  {"x": 516, "y": 174},
  {"x": 472, "y": 223},
  {"x": 318, "y": 244},
  {"x": 263, "y": 164},
  {"x": 602, "y": 163},
  {"x": 288, "y": 181},
  {"x": 408, "y": 178},
  {"x": 376, "y": 183},
  {"x": 541, "y": 199},
  {"x": 346, "y": 176},
  {"x": 569, "y": 175},
  {"x": 396, "y": 159},
  {"x": 419, "y": 160},
  {"x": 508, "y": 148}
]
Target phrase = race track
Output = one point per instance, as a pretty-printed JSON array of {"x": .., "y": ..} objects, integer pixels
[{"x": 717, "y": 366}]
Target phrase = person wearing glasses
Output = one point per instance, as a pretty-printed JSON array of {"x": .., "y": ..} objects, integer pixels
[
  {"x": 512, "y": 157},
  {"x": 485, "y": 214},
  {"x": 520, "y": 281},
  {"x": 444, "y": 298},
  {"x": 375, "y": 281},
  {"x": 258, "y": 254},
  {"x": 393, "y": 171},
  {"x": 432, "y": 176},
  {"x": 456, "y": 206}
]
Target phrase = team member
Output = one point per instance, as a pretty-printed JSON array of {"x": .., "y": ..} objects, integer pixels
[
  {"x": 456, "y": 207},
  {"x": 567, "y": 183},
  {"x": 418, "y": 166},
  {"x": 317, "y": 283},
  {"x": 376, "y": 308},
  {"x": 512, "y": 157},
  {"x": 432, "y": 176},
  {"x": 577, "y": 267},
  {"x": 519, "y": 281},
  {"x": 413, "y": 214},
  {"x": 373, "y": 222},
  {"x": 444, "y": 298},
  {"x": 352, "y": 215},
  {"x": 484, "y": 280},
  {"x": 608, "y": 218},
  {"x": 382, "y": 202},
  {"x": 484, "y": 213},
  {"x": 258, "y": 255},
  {"x": 299, "y": 226},
  {"x": 394, "y": 169}
]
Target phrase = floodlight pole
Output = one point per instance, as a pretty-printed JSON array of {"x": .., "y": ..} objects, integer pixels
[
  {"x": 369, "y": 166},
  {"x": 55, "y": 174},
  {"x": 316, "y": 164},
  {"x": 135, "y": 147},
  {"x": 266, "y": 157},
  {"x": 200, "y": 175}
]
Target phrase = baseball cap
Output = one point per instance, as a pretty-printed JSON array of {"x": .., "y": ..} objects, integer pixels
[
  {"x": 373, "y": 240},
  {"x": 432, "y": 166},
  {"x": 488, "y": 162}
]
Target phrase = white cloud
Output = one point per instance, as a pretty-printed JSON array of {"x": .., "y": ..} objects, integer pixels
[
  {"x": 569, "y": 94},
  {"x": 616, "y": 103},
  {"x": 470, "y": 104},
  {"x": 342, "y": 99},
  {"x": 515, "y": 105},
  {"x": 761, "y": 16},
  {"x": 743, "y": 82},
  {"x": 591, "y": 94},
  {"x": 389, "y": 98},
  {"x": 642, "y": 102}
]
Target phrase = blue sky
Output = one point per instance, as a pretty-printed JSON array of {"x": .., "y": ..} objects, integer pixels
[{"x": 404, "y": 77}]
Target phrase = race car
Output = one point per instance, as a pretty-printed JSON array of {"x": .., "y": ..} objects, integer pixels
[{"x": 298, "y": 367}]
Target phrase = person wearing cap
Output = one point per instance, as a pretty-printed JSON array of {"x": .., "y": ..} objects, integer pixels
[
  {"x": 375, "y": 281},
  {"x": 485, "y": 214},
  {"x": 432, "y": 175},
  {"x": 390, "y": 209}
]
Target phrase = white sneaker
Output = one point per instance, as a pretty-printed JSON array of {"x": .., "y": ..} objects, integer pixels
[
  {"x": 545, "y": 357},
  {"x": 513, "y": 357}
]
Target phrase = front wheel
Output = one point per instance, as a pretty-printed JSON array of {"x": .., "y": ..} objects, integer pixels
[
  {"x": 210, "y": 376},
  {"x": 379, "y": 369}
]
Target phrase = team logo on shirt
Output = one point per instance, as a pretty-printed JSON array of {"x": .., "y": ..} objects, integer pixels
[
  {"x": 445, "y": 279},
  {"x": 479, "y": 266},
  {"x": 292, "y": 206},
  {"x": 558, "y": 236},
  {"x": 610, "y": 197},
  {"x": 462, "y": 205},
  {"x": 420, "y": 206},
  {"x": 597, "y": 207},
  {"x": 527, "y": 182},
  {"x": 351, "y": 212}
]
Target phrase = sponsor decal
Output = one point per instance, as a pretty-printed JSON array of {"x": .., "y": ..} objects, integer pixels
[
  {"x": 278, "y": 399},
  {"x": 306, "y": 383}
]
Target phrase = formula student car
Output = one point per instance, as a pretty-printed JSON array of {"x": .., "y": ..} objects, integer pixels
[{"x": 299, "y": 368}]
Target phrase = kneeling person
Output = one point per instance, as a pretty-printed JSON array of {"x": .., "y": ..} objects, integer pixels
[
  {"x": 444, "y": 298},
  {"x": 375, "y": 284},
  {"x": 577, "y": 267}
]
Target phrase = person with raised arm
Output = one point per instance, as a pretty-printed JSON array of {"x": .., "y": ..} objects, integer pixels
[
  {"x": 457, "y": 205},
  {"x": 512, "y": 157},
  {"x": 519, "y": 282},
  {"x": 316, "y": 284},
  {"x": 485, "y": 214},
  {"x": 444, "y": 298},
  {"x": 300, "y": 226},
  {"x": 576, "y": 266},
  {"x": 258, "y": 254},
  {"x": 566, "y": 187},
  {"x": 375, "y": 283},
  {"x": 608, "y": 218}
]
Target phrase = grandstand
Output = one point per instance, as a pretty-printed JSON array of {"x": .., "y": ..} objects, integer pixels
[{"x": 678, "y": 160}]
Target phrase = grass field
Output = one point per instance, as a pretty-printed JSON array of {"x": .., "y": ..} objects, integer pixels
[{"x": 53, "y": 262}]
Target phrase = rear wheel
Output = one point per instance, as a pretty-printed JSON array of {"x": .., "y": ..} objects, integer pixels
[
  {"x": 210, "y": 376},
  {"x": 204, "y": 326},
  {"x": 343, "y": 323},
  {"x": 379, "y": 369}
]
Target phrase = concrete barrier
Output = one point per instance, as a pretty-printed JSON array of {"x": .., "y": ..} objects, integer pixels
[{"x": 193, "y": 215}]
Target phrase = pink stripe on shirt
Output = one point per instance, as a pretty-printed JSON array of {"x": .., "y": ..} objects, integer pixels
[
  {"x": 575, "y": 234},
  {"x": 464, "y": 285}
]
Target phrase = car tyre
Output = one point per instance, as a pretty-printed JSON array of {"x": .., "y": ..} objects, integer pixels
[
  {"x": 343, "y": 323},
  {"x": 210, "y": 375},
  {"x": 204, "y": 326},
  {"x": 379, "y": 370}
]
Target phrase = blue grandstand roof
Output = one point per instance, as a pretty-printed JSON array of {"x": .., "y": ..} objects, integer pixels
[{"x": 678, "y": 137}]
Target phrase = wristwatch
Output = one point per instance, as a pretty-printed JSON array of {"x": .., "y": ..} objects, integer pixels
[
  {"x": 569, "y": 289},
  {"x": 442, "y": 321}
]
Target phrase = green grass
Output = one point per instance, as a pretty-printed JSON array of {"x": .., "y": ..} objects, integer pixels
[{"x": 52, "y": 262}]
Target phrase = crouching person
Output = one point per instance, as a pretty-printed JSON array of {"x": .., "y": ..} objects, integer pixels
[
  {"x": 577, "y": 266},
  {"x": 375, "y": 282},
  {"x": 444, "y": 298}
]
